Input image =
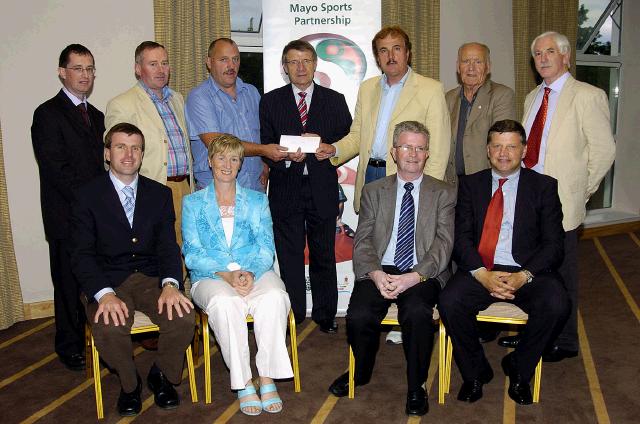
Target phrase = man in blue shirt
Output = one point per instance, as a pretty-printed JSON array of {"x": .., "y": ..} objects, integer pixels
[{"x": 226, "y": 104}]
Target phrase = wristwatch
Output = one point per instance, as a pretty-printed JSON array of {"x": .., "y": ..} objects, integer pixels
[
  {"x": 422, "y": 278},
  {"x": 172, "y": 284},
  {"x": 528, "y": 274}
]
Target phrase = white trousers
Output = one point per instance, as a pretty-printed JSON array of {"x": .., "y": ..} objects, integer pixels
[{"x": 269, "y": 305}]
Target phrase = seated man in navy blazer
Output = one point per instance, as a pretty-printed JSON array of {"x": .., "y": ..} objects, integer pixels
[
  {"x": 508, "y": 246},
  {"x": 126, "y": 258}
]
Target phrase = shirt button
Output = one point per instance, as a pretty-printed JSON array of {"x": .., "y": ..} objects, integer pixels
[
  {"x": 165, "y": 142},
  {"x": 165, "y": 164},
  {"x": 134, "y": 240},
  {"x": 133, "y": 255}
]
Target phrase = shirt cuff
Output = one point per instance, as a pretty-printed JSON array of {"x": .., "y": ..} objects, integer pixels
[
  {"x": 102, "y": 292},
  {"x": 165, "y": 281},
  {"x": 473, "y": 271}
]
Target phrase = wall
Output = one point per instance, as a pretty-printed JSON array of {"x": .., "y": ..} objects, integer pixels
[{"x": 33, "y": 33}]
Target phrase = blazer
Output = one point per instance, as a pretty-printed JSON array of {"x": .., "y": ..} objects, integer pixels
[
  {"x": 69, "y": 154},
  {"x": 434, "y": 227},
  {"x": 204, "y": 245},
  {"x": 422, "y": 100},
  {"x": 538, "y": 237},
  {"x": 136, "y": 107},
  {"x": 107, "y": 250},
  {"x": 328, "y": 117},
  {"x": 580, "y": 146},
  {"x": 494, "y": 102}
]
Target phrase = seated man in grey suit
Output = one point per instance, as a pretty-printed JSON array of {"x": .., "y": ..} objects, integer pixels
[
  {"x": 401, "y": 251},
  {"x": 126, "y": 258}
]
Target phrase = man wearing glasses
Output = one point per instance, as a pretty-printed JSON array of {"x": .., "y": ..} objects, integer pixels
[{"x": 67, "y": 141}]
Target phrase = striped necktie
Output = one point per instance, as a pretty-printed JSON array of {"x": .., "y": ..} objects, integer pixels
[
  {"x": 129, "y": 203},
  {"x": 302, "y": 109},
  {"x": 403, "y": 257}
]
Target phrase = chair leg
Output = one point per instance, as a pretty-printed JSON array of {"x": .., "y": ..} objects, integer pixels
[
  {"x": 207, "y": 357},
  {"x": 87, "y": 350},
  {"x": 196, "y": 338},
  {"x": 442, "y": 352},
  {"x": 96, "y": 379},
  {"x": 192, "y": 375},
  {"x": 294, "y": 352},
  {"x": 352, "y": 372},
  {"x": 536, "y": 382},
  {"x": 447, "y": 383}
]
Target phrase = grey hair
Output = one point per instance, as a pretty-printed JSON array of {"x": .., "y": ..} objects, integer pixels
[
  {"x": 410, "y": 126},
  {"x": 487, "y": 51},
  {"x": 560, "y": 39}
]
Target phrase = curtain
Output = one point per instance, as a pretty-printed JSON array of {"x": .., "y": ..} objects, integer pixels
[
  {"x": 421, "y": 20},
  {"x": 530, "y": 19},
  {"x": 11, "y": 308},
  {"x": 186, "y": 28}
]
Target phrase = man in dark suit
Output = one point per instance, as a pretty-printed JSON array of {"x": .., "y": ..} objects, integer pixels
[
  {"x": 303, "y": 193},
  {"x": 401, "y": 252},
  {"x": 126, "y": 258},
  {"x": 508, "y": 246},
  {"x": 67, "y": 141}
]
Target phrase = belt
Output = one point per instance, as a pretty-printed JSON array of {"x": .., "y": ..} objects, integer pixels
[
  {"x": 377, "y": 163},
  {"x": 177, "y": 178}
]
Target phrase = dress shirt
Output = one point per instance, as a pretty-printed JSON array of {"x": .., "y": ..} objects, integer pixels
[
  {"x": 554, "y": 95},
  {"x": 388, "y": 99},
  {"x": 119, "y": 185},
  {"x": 389, "y": 254},
  {"x": 76, "y": 100},
  {"x": 177, "y": 161},
  {"x": 465, "y": 111},
  {"x": 307, "y": 99},
  {"x": 503, "y": 255},
  {"x": 211, "y": 110}
]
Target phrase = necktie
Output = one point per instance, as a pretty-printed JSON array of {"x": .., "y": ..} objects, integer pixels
[
  {"x": 302, "y": 109},
  {"x": 129, "y": 203},
  {"x": 83, "y": 111},
  {"x": 491, "y": 226},
  {"x": 535, "y": 135},
  {"x": 403, "y": 257}
]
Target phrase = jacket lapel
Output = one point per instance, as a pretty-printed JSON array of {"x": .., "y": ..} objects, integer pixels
[
  {"x": 72, "y": 114},
  {"x": 212, "y": 213},
  {"x": 482, "y": 101},
  {"x": 148, "y": 108},
  {"x": 112, "y": 202},
  {"x": 388, "y": 209},
  {"x": 484, "y": 197},
  {"x": 562, "y": 109},
  {"x": 407, "y": 94}
]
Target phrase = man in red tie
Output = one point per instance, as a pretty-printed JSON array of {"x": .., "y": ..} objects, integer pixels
[
  {"x": 508, "y": 246},
  {"x": 569, "y": 138}
]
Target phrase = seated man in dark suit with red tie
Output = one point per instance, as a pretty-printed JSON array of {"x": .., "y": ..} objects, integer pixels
[
  {"x": 401, "y": 251},
  {"x": 508, "y": 246},
  {"x": 126, "y": 258}
]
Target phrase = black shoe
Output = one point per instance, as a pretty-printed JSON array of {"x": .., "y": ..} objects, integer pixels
[
  {"x": 340, "y": 387},
  {"x": 509, "y": 341},
  {"x": 557, "y": 354},
  {"x": 328, "y": 326},
  {"x": 73, "y": 362},
  {"x": 164, "y": 394},
  {"x": 471, "y": 391},
  {"x": 417, "y": 403},
  {"x": 129, "y": 404},
  {"x": 519, "y": 389}
]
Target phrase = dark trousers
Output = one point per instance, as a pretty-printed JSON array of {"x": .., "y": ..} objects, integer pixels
[
  {"x": 568, "y": 338},
  {"x": 367, "y": 308},
  {"x": 69, "y": 313},
  {"x": 544, "y": 299},
  {"x": 140, "y": 292},
  {"x": 304, "y": 224}
]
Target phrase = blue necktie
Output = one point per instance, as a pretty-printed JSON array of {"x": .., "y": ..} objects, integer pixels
[
  {"x": 129, "y": 203},
  {"x": 403, "y": 257}
]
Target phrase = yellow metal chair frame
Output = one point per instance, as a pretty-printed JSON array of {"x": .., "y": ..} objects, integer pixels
[
  {"x": 141, "y": 324},
  {"x": 502, "y": 313},
  {"x": 204, "y": 320},
  {"x": 392, "y": 319}
]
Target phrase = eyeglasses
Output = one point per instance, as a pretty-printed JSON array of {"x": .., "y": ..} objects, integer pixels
[
  {"x": 406, "y": 148},
  {"x": 295, "y": 62},
  {"x": 90, "y": 70}
]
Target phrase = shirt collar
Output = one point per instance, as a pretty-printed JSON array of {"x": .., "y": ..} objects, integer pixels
[
  {"x": 119, "y": 185},
  {"x": 557, "y": 84},
  {"x": 416, "y": 183},
  {"x": 76, "y": 101},
  {"x": 166, "y": 92},
  {"x": 383, "y": 80},
  {"x": 511, "y": 177},
  {"x": 309, "y": 89},
  {"x": 240, "y": 85}
]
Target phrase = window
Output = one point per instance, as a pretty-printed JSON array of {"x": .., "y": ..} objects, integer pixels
[
  {"x": 246, "y": 31},
  {"x": 599, "y": 62}
]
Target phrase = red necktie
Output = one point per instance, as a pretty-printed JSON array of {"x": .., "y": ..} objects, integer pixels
[
  {"x": 535, "y": 135},
  {"x": 302, "y": 108},
  {"x": 491, "y": 227},
  {"x": 85, "y": 115}
]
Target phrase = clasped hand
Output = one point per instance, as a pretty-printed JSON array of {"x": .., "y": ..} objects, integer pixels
[
  {"x": 499, "y": 284},
  {"x": 241, "y": 280},
  {"x": 390, "y": 286}
]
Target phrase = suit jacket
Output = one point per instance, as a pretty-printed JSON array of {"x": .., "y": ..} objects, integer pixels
[
  {"x": 328, "y": 117},
  {"x": 494, "y": 102},
  {"x": 69, "y": 153},
  {"x": 580, "y": 146},
  {"x": 434, "y": 227},
  {"x": 422, "y": 100},
  {"x": 107, "y": 250},
  {"x": 136, "y": 107},
  {"x": 205, "y": 247},
  {"x": 538, "y": 237}
]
